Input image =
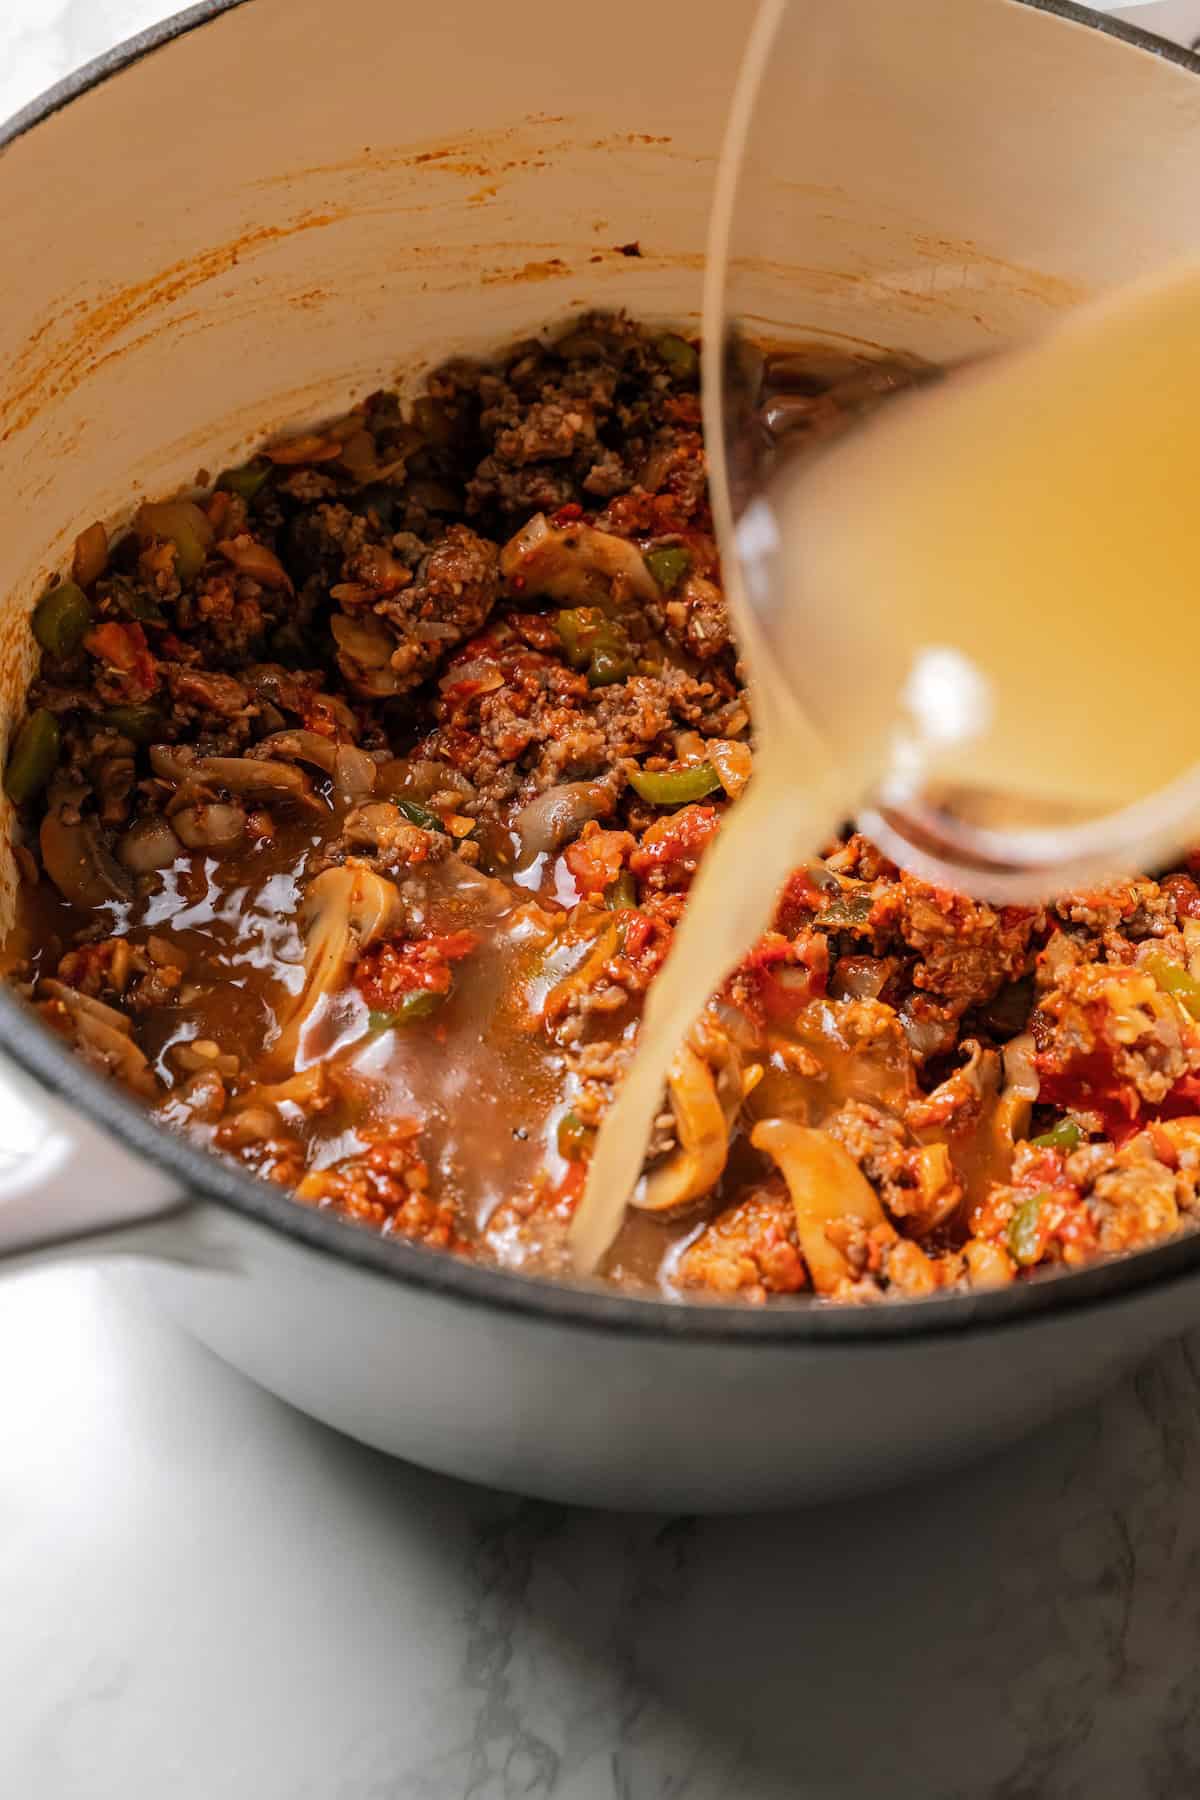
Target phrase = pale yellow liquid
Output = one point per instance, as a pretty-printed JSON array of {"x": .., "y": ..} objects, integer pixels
[{"x": 993, "y": 586}]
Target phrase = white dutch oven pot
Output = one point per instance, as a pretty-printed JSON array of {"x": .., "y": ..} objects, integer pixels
[{"x": 258, "y": 210}]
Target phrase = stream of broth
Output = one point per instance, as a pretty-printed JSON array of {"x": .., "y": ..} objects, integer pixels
[{"x": 986, "y": 591}]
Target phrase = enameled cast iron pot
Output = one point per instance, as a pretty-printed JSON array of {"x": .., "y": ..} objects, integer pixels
[{"x": 257, "y": 210}]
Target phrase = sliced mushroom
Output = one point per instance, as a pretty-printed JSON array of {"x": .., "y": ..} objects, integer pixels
[
  {"x": 298, "y": 746},
  {"x": 963, "y": 1098},
  {"x": 575, "y": 563},
  {"x": 172, "y": 762},
  {"x": 382, "y": 827},
  {"x": 256, "y": 1124},
  {"x": 148, "y": 845},
  {"x": 103, "y": 1035},
  {"x": 253, "y": 776},
  {"x": 216, "y": 826},
  {"x": 557, "y": 816},
  {"x": 249, "y": 557},
  {"x": 827, "y": 1188},
  {"x": 80, "y": 864},
  {"x": 365, "y": 649},
  {"x": 350, "y": 769},
  {"x": 344, "y": 910},
  {"x": 307, "y": 1088},
  {"x": 703, "y": 1132},
  {"x": 1014, "y": 1108}
]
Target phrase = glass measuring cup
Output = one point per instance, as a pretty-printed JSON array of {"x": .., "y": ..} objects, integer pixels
[{"x": 1018, "y": 728}]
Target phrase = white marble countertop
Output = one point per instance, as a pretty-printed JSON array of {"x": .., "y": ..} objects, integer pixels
[{"x": 207, "y": 1597}]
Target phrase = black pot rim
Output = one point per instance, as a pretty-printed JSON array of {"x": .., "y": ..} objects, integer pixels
[{"x": 200, "y": 1174}]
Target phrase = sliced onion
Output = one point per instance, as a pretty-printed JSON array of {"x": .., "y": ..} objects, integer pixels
[
  {"x": 703, "y": 1132},
  {"x": 926, "y": 1036},
  {"x": 344, "y": 910},
  {"x": 480, "y": 673},
  {"x": 1191, "y": 945},
  {"x": 575, "y": 562},
  {"x": 860, "y": 977},
  {"x": 353, "y": 772},
  {"x": 826, "y": 1186},
  {"x": 419, "y": 778},
  {"x": 1020, "y": 1076},
  {"x": 733, "y": 761},
  {"x": 80, "y": 864}
]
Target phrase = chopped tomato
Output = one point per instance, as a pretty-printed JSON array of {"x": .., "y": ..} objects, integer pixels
[
  {"x": 597, "y": 857},
  {"x": 781, "y": 975},
  {"x": 125, "y": 653},
  {"x": 801, "y": 898},
  {"x": 673, "y": 846},
  {"x": 1185, "y": 894},
  {"x": 389, "y": 971},
  {"x": 645, "y": 940}
]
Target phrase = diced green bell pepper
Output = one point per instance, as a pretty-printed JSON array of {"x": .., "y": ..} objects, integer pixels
[
  {"x": 62, "y": 619},
  {"x": 419, "y": 815},
  {"x": 33, "y": 757},
  {"x": 1024, "y": 1229},
  {"x": 141, "y": 724},
  {"x": 1173, "y": 979},
  {"x": 846, "y": 911},
  {"x": 622, "y": 894},
  {"x": 247, "y": 480},
  {"x": 595, "y": 643},
  {"x": 668, "y": 565},
  {"x": 675, "y": 787},
  {"x": 1065, "y": 1136},
  {"x": 682, "y": 358},
  {"x": 573, "y": 1137},
  {"x": 182, "y": 523},
  {"x": 418, "y": 1004}
]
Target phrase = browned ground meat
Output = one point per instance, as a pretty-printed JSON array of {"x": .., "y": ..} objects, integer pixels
[{"x": 359, "y": 801}]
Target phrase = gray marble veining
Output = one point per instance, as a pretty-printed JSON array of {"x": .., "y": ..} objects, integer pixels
[{"x": 206, "y": 1595}]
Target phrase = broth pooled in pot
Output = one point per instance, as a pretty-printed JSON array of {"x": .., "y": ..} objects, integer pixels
[{"x": 359, "y": 799}]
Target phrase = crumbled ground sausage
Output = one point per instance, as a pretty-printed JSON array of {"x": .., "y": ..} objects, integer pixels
[{"x": 335, "y": 855}]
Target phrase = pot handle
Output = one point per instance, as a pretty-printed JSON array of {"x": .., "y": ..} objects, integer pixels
[{"x": 65, "y": 1183}]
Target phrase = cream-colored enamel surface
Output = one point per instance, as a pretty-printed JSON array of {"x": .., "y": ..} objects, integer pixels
[{"x": 287, "y": 205}]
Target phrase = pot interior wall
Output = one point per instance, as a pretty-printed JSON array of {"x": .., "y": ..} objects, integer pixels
[{"x": 285, "y": 206}]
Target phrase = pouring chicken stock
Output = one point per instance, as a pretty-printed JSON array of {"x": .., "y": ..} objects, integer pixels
[{"x": 962, "y": 625}]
